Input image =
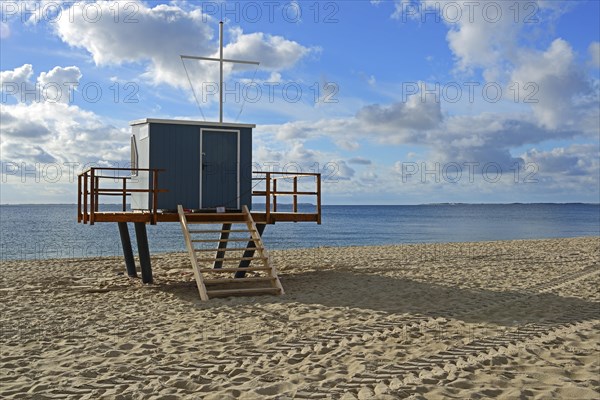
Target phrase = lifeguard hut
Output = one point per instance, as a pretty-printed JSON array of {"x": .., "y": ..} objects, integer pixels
[{"x": 199, "y": 172}]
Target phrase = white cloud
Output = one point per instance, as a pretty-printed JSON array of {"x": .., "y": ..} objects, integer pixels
[
  {"x": 48, "y": 132},
  {"x": 360, "y": 161},
  {"x": 157, "y": 35},
  {"x": 342, "y": 171},
  {"x": 273, "y": 52},
  {"x": 18, "y": 75},
  {"x": 554, "y": 79},
  {"x": 346, "y": 144},
  {"x": 4, "y": 30},
  {"x": 484, "y": 138},
  {"x": 412, "y": 115},
  {"x": 480, "y": 34},
  {"x": 54, "y": 86},
  {"x": 42, "y": 130},
  {"x": 594, "y": 50},
  {"x": 576, "y": 160},
  {"x": 488, "y": 36},
  {"x": 161, "y": 34},
  {"x": 57, "y": 83}
]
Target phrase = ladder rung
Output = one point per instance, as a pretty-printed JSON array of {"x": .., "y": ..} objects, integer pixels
[
  {"x": 239, "y": 280},
  {"x": 233, "y": 292},
  {"x": 232, "y": 259},
  {"x": 241, "y": 221},
  {"x": 223, "y": 240},
  {"x": 223, "y": 231},
  {"x": 225, "y": 270},
  {"x": 232, "y": 249}
]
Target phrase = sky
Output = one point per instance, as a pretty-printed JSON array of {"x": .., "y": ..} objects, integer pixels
[{"x": 394, "y": 102}]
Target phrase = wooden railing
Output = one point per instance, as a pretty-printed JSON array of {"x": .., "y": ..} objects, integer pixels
[
  {"x": 271, "y": 191},
  {"x": 89, "y": 191}
]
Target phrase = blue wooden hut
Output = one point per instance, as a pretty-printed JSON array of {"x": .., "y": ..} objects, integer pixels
[{"x": 206, "y": 165}]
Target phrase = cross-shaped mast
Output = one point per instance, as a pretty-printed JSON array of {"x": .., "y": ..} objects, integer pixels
[{"x": 221, "y": 60}]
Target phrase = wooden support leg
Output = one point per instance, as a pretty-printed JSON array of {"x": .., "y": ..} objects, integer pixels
[
  {"x": 144, "y": 251},
  {"x": 127, "y": 251},
  {"x": 249, "y": 253},
  {"x": 222, "y": 245}
]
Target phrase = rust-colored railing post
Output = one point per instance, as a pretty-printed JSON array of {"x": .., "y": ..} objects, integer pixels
[
  {"x": 295, "y": 195},
  {"x": 268, "y": 197},
  {"x": 124, "y": 194},
  {"x": 78, "y": 198},
  {"x": 274, "y": 194},
  {"x": 97, "y": 191},
  {"x": 154, "y": 196},
  {"x": 318, "y": 198},
  {"x": 85, "y": 198},
  {"x": 92, "y": 197}
]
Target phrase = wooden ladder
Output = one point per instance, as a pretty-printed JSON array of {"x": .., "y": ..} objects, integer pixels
[{"x": 230, "y": 280}]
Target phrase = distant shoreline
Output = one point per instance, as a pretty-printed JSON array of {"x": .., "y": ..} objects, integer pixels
[{"x": 351, "y": 247}]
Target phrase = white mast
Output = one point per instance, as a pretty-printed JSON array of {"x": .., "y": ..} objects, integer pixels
[
  {"x": 221, "y": 60},
  {"x": 221, "y": 72}
]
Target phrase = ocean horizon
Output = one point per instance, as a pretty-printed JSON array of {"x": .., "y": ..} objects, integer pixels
[{"x": 42, "y": 231}]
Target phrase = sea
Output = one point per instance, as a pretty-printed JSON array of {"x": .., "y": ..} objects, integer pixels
[{"x": 51, "y": 231}]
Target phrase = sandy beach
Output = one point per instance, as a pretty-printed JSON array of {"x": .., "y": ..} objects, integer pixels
[{"x": 507, "y": 320}]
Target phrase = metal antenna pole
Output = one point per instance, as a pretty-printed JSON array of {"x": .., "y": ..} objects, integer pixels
[
  {"x": 221, "y": 60},
  {"x": 221, "y": 72}
]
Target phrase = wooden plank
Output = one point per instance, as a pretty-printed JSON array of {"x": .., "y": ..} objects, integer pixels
[
  {"x": 238, "y": 280},
  {"x": 218, "y": 240},
  {"x": 124, "y": 195},
  {"x": 96, "y": 200},
  {"x": 113, "y": 177},
  {"x": 213, "y": 221},
  {"x": 259, "y": 217},
  {"x": 85, "y": 192},
  {"x": 274, "y": 195},
  {"x": 285, "y": 176},
  {"x": 92, "y": 207},
  {"x": 227, "y": 270},
  {"x": 154, "y": 196},
  {"x": 230, "y": 259},
  {"x": 119, "y": 191},
  {"x": 227, "y": 249},
  {"x": 123, "y": 217},
  {"x": 318, "y": 198},
  {"x": 101, "y": 193},
  {"x": 288, "y": 174},
  {"x": 263, "y": 252},
  {"x": 241, "y": 292},
  {"x": 285, "y": 193},
  {"x": 295, "y": 204},
  {"x": 190, "y": 247},
  {"x": 79, "y": 214},
  {"x": 268, "y": 196},
  {"x": 219, "y": 230},
  {"x": 121, "y": 169}
]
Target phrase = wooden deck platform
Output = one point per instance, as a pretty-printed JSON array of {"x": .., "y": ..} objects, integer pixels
[
  {"x": 260, "y": 217},
  {"x": 94, "y": 184}
]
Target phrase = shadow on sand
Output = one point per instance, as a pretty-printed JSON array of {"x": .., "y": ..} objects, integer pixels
[{"x": 399, "y": 296}]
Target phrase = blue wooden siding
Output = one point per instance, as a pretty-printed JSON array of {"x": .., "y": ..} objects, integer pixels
[{"x": 176, "y": 149}]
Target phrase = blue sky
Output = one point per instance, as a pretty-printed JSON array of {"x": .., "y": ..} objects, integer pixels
[{"x": 398, "y": 102}]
